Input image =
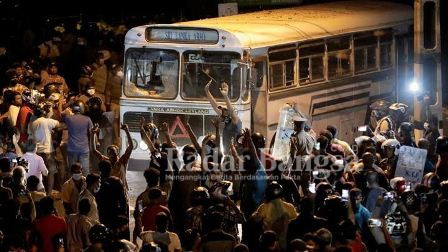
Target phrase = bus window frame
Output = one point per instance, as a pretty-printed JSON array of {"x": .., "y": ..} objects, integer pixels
[
  {"x": 205, "y": 99},
  {"x": 352, "y": 48},
  {"x": 283, "y": 63},
  {"x": 310, "y": 66},
  {"x": 339, "y": 72},
  {"x": 364, "y": 49},
  {"x": 151, "y": 97}
]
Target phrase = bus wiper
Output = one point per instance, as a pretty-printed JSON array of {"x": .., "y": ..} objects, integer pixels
[
  {"x": 139, "y": 73},
  {"x": 155, "y": 81}
]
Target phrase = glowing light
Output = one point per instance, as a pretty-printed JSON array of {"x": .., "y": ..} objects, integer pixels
[{"x": 414, "y": 86}]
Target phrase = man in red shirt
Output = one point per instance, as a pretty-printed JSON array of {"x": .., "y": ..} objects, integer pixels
[
  {"x": 49, "y": 226},
  {"x": 25, "y": 113},
  {"x": 155, "y": 207}
]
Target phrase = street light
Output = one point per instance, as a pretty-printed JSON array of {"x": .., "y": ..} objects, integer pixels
[{"x": 414, "y": 86}]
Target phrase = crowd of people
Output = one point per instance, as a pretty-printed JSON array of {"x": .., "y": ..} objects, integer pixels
[{"x": 63, "y": 183}]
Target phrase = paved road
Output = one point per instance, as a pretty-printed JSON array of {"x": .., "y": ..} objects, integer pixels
[{"x": 137, "y": 184}]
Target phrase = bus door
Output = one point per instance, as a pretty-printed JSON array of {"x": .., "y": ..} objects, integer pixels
[{"x": 258, "y": 87}]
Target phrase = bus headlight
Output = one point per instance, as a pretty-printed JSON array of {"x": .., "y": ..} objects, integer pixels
[{"x": 143, "y": 145}]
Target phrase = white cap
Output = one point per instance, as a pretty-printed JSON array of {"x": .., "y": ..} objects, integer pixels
[{"x": 390, "y": 143}]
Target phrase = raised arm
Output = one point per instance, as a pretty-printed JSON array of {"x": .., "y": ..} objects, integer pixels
[
  {"x": 216, "y": 124},
  {"x": 193, "y": 138},
  {"x": 234, "y": 153},
  {"x": 211, "y": 98},
  {"x": 250, "y": 144},
  {"x": 165, "y": 130},
  {"x": 127, "y": 153},
  {"x": 93, "y": 132},
  {"x": 225, "y": 93},
  {"x": 146, "y": 138}
]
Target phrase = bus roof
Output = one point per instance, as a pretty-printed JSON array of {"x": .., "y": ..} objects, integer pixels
[{"x": 280, "y": 26}]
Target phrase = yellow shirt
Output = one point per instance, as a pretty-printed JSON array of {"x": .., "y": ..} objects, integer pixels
[{"x": 276, "y": 215}]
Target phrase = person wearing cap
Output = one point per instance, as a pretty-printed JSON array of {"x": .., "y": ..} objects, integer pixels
[
  {"x": 304, "y": 141},
  {"x": 85, "y": 79},
  {"x": 276, "y": 213},
  {"x": 397, "y": 112},
  {"x": 232, "y": 123},
  {"x": 52, "y": 76},
  {"x": 389, "y": 163}
]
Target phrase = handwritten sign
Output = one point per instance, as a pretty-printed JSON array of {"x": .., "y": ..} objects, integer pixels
[
  {"x": 182, "y": 35},
  {"x": 410, "y": 165}
]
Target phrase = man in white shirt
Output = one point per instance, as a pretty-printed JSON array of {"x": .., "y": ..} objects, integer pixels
[
  {"x": 161, "y": 236},
  {"x": 93, "y": 183},
  {"x": 36, "y": 165},
  {"x": 42, "y": 129}
]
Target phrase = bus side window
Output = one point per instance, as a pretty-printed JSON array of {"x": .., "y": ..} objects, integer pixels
[
  {"x": 311, "y": 62},
  {"x": 365, "y": 46},
  {"x": 339, "y": 55},
  {"x": 386, "y": 41},
  {"x": 282, "y": 65}
]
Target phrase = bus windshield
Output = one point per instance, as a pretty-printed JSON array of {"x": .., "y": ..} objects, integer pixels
[
  {"x": 200, "y": 67},
  {"x": 152, "y": 73}
]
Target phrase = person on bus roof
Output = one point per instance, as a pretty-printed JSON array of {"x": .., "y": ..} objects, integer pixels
[{"x": 232, "y": 123}]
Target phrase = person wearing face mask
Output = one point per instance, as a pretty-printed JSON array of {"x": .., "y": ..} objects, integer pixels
[
  {"x": 93, "y": 183},
  {"x": 85, "y": 79},
  {"x": 232, "y": 123},
  {"x": 90, "y": 93},
  {"x": 72, "y": 188}
]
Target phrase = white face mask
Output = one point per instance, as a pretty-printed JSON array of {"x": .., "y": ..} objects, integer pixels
[
  {"x": 97, "y": 189},
  {"x": 76, "y": 176},
  {"x": 120, "y": 74},
  {"x": 91, "y": 91},
  {"x": 54, "y": 97}
]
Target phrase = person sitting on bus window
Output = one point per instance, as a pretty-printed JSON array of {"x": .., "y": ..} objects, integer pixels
[{"x": 232, "y": 123}]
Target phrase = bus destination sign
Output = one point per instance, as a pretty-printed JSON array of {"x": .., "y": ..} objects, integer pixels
[{"x": 182, "y": 35}]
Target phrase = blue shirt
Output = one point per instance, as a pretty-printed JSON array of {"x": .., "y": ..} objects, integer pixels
[
  {"x": 78, "y": 133},
  {"x": 362, "y": 217},
  {"x": 260, "y": 184}
]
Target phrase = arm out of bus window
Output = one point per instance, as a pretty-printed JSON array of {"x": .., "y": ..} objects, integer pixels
[
  {"x": 211, "y": 98},
  {"x": 225, "y": 93}
]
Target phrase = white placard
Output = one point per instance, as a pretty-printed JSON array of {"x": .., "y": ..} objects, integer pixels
[{"x": 411, "y": 163}]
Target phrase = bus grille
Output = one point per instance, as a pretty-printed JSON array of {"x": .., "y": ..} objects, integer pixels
[{"x": 199, "y": 123}]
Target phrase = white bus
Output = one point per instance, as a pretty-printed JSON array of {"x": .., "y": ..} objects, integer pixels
[{"x": 332, "y": 60}]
